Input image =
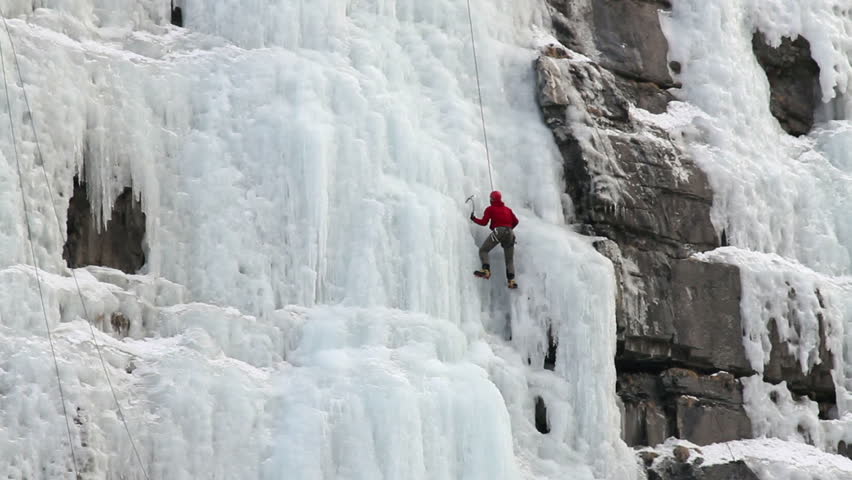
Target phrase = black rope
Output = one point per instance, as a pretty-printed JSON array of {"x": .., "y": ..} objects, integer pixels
[
  {"x": 73, "y": 273},
  {"x": 727, "y": 444},
  {"x": 35, "y": 262},
  {"x": 479, "y": 90}
]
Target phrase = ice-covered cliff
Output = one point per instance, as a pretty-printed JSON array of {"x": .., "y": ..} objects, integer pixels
[{"x": 283, "y": 184}]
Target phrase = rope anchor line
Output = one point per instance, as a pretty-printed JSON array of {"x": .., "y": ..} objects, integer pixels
[
  {"x": 479, "y": 91},
  {"x": 40, "y": 162},
  {"x": 35, "y": 259}
]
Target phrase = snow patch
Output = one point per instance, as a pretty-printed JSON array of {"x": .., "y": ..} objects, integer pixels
[{"x": 769, "y": 458}]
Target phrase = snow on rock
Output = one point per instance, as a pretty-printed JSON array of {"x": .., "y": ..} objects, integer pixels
[
  {"x": 775, "y": 412},
  {"x": 768, "y": 458},
  {"x": 810, "y": 313},
  {"x": 795, "y": 300},
  {"x": 773, "y": 193}
]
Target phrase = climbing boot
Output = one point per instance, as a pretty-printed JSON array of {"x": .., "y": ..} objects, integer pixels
[
  {"x": 512, "y": 284},
  {"x": 485, "y": 272}
]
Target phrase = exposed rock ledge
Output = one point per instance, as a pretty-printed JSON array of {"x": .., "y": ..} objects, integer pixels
[
  {"x": 632, "y": 184},
  {"x": 118, "y": 244}
]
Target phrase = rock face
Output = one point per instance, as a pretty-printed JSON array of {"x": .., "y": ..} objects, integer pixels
[
  {"x": 783, "y": 366},
  {"x": 177, "y": 15},
  {"x": 624, "y": 36},
  {"x": 631, "y": 183},
  {"x": 633, "y": 186},
  {"x": 622, "y": 173},
  {"x": 541, "y": 416},
  {"x": 118, "y": 245},
  {"x": 793, "y": 80},
  {"x": 684, "y": 404}
]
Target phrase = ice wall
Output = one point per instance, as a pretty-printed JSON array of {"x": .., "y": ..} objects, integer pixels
[
  {"x": 781, "y": 201},
  {"x": 303, "y": 167},
  {"x": 774, "y": 193}
]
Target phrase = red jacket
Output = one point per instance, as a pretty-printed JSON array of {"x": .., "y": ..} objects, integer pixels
[{"x": 500, "y": 216}]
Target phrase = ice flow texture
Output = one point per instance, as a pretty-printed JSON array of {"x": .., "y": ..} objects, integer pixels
[{"x": 303, "y": 153}]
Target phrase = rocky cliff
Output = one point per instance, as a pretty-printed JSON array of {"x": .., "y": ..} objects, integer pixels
[
  {"x": 118, "y": 244},
  {"x": 634, "y": 186}
]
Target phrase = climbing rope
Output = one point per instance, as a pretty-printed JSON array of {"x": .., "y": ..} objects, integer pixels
[
  {"x": 35, "y": 263},
  {"x": 479, "y": 90},
  {"x": 728, "y": 443},
  {"x": 64, "y": 240}
]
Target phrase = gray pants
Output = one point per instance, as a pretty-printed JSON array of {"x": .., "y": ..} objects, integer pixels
[{"x": 506, "y": 238}]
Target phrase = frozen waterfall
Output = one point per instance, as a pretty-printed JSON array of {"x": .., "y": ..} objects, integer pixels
[{"x": 307, "y": 309}]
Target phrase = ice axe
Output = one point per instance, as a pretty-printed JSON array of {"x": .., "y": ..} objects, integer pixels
[{"x": 472, "y": 204}]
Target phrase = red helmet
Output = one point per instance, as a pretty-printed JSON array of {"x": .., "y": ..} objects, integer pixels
[{"x": 496, "y": 197}]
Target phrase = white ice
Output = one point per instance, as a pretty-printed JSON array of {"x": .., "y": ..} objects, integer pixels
[{"x": 307, "y": 309}]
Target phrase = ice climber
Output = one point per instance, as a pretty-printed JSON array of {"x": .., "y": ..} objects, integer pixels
[{"x": 503, "y": 221}]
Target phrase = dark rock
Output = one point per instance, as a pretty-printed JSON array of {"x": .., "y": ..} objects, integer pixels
[
  {"x": 631, "y": 42},
  {"x": 648, "y": 457},
  {"x": 626, "y": 36},
  {"x": 117, "y": 245},
  {"x": 793, "y": 79},
  {"x": 737, "y": 470},
  {"x": 645, "y": 420},
  {"x": 783, "y": 366},
  {"x": 672, "y": 311},
  {"x": 673, "y": 470},
  {"x": 556, "y": 51},
  {"x": 706, "y": 317},
  {"x": 623, "y": 176},
  {"x": 720, "y": 386},
  {"x": 702, "y": 422},
  {"x": 844, "y": 449},
  {"x": 828, "y": 411},
  {"x": 681, "y": 453},
  {"x": 177, "y": 15},
  {"x": 120, "y": 324},
  {"x": 646, "y": 95},
  {"x": 550, "y": 356},
  {"x": 541, "y": 423},
  {"x": 675, "y": 67},
  {"x": 684, "y": 404},
  {"x": 657, "y": 202}
]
